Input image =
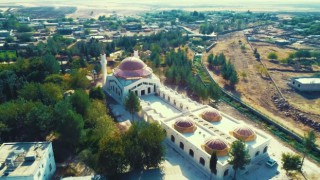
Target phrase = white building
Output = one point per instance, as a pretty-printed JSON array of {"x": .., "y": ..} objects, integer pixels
[
  {"x": 27, "y": 160},
  {"x": 305, "y": 83},
  {"x": 131, "y": 75},
  {"x": 194, "y": 129}
]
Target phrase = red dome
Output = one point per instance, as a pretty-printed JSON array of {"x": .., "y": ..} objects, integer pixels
[
  {"x": 184, "y": 122},
  {"x": 216, "y": 144},
  {"x": 211, "y": 115},
  {"x": 244, "y": 133},
  {"x": 132, "y": 68}
]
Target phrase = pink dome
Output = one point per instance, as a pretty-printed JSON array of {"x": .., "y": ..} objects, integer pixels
[
  {"x": 132, "y": 68},
  {"x": 211, "y": 115},
  {"x": 244, "y": 133},
  {"x": 184, "y": 122},
  {"x": 216, "y": 144}
]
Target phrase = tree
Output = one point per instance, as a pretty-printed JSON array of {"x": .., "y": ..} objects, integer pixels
[
  {"x": 213, "y": 163},
  {"x": 80, "y": 102},
  {"x": 111, "y": 155},
  {"x": 143, "y": 145},
  {"x": 132, "y": 103},
  {"x": 233, "y": 78},
  {"x": 291, "y": 162},
  {"x": 238, "y": 156},
  {"x": 79, "y": 79},
  {"x": 273, "y": 55},
  {"x": 97, "y": 93},
  {"x": 309, "y": 143},
  {"x": 48, "y": 93},
  {"x": 69, "y": 124}
]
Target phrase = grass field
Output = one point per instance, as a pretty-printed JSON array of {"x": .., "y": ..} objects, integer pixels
[{"x": 11, "y": 54}]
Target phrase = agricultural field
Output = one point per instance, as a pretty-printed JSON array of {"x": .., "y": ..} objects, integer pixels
[
  {"x": 255, "y": 86},
  {"x": 46, "y": 12}
]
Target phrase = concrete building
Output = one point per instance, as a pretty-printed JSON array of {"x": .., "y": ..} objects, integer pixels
[
  {"x": 27, "y": 160},
  {"x": 305, "y": 83},
  {"x": 193, "y": 129}
]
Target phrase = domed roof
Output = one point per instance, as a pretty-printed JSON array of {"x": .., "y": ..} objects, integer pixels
[
  {"x": 185, "y": 125},
  {"x": 132, "y": 68},
  {"x": 184, "y": 122},
  {"x": 211, "y": 115},
  {"x": 244, "y": 133},
  {"x": 217, "y": 145}
]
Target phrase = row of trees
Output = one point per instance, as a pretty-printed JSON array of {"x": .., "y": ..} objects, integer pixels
[{"x": 227, "y": 69}]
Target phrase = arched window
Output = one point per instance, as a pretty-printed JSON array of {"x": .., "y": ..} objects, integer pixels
[
  {"x": 172, "y": 138},
  {"x": 257, "y": 153},
  {"x": 265, "y": 149},
  {"x": 181, "y": 145},
  {"x": 226, "y": 172},
  {"x": 191, "y": 153},
  {"x": 202, "y": 162},
  {"x": 165, "y": 132}
]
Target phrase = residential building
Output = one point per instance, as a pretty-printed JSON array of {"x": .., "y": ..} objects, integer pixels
[{"x": 27, "y": 161}]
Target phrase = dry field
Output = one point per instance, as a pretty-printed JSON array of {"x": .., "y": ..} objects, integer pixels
[
  {"x": 255, "y": 89},
  {"x": 309, "y": 104}
]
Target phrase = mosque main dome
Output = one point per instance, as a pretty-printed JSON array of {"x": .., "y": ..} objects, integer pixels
[{"x": 132, "y": 68}]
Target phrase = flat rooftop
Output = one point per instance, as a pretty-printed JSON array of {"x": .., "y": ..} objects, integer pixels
[
  {"x": 308, "y": 80},
  {"x": 161, "y": 110},
  {"x": 17, "y": 152},
  {"x": 159, "y": 105}
]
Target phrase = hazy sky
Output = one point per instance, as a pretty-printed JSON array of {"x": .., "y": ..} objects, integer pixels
[{"x": 178, "y": 1}]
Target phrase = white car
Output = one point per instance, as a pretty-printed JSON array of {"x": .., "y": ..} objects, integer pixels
[{"x": 271, "y": 162}]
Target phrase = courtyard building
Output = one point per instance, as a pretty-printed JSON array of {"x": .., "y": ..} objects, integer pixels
[{"x": 193, "y": 129}]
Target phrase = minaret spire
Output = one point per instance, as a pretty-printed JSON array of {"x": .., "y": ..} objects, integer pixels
[{"x": 103, "y": 62}]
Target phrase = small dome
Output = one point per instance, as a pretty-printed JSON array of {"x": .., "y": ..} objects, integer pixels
[
  {"x": 244, "y": 133},
  {"x": 132, "y": 68},
  {"x": 216, "y": 145},
  {"x": 211, "y": 115},
  {"x": 185, "y": 125}
]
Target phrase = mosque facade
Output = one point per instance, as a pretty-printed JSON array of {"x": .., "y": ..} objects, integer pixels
[{"x": 193, "y": 129}]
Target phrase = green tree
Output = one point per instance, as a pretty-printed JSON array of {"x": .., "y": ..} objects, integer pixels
[
  {"x": 143, "y": 145},
  {"x": 291, "y": 162},
  {"x": 97, "y": 93},
  {"x": 80, "y": 102},
  {"x": 79, "y": 79},
  {"x": 69, "y": 124},
  {"x": 111, "y": 156},
  {"x": 308, "y": 143},
  {"x": 210, "y": 59},
  {"x": 24, "y": 28},
  {"x": 233, "y": 78},
  {"x": 213, "y": 163},
  {"x": 48, "y": 93},
  {"x": 273, "y": 55},
  {"x": 132, "y": 104},
  {"x": 238, "y": 156}
]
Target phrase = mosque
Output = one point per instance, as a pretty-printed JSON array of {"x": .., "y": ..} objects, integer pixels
[{"x": 195, "y": 130}]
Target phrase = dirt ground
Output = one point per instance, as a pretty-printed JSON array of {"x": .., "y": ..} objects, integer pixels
[{"x": 254, "y": 89}]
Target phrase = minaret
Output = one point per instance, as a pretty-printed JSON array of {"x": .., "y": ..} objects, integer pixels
[
  {"x": 103, "y": 68},
  {"x": 136, "y": 53}
]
